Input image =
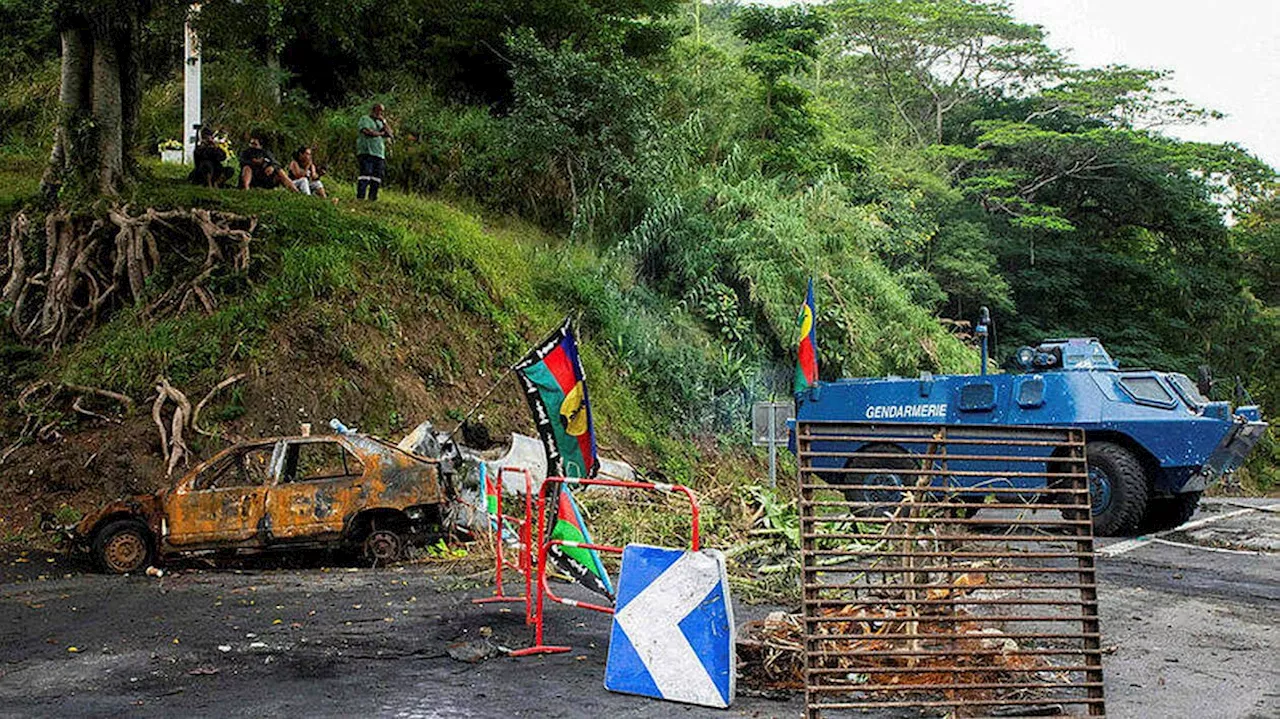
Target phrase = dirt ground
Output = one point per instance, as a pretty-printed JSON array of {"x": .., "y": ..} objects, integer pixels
[{"x": 1194, "y": 632}]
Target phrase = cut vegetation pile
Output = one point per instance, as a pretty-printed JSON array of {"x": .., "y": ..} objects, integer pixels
[{"x": 772, "y": 653}]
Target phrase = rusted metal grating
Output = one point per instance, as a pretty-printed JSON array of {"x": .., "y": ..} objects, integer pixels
[{"x": 948, "y": 569}]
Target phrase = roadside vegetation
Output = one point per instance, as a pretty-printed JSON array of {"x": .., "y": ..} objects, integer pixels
[{"x": 672, "y": 173}]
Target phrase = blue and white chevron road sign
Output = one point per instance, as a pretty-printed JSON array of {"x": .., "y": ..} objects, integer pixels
[{"x": 673, "y": 632}]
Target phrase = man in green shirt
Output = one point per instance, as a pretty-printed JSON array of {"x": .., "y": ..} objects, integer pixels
[{"x": 371, "y": 152}]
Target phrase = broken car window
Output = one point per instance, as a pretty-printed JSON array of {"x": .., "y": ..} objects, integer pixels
[
  {"x": 244, "y": 468},
  {"x": 311, "y": 461},
  {"x": 257, "y": 465}
]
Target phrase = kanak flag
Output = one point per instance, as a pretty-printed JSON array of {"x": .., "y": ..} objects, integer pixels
[
  {"x": 553, "y": 382},
  {"x": 807, "y": 354},
  {"x": 582, "y": 564},
  {"x": 556, "y": 388}
]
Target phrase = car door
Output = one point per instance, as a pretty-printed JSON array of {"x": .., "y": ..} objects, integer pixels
[
  {"x": 225, "y": 501},
  {"x": 318, "y": 486}
]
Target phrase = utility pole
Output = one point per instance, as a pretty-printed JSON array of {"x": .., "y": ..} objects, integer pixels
[{"x": 190, "y": 86}]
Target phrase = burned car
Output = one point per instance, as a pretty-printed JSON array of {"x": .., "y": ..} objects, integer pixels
[{"x": 344, "y": 490}]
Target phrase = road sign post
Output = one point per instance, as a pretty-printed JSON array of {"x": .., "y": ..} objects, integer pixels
[{"x": 769, "y": 429}]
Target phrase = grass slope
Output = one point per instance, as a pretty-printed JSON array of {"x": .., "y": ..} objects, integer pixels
[{"x": 387, "y": 314}]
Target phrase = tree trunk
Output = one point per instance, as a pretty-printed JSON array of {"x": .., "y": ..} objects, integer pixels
[
  {"x": 273, "y": 65},
  {"x": 130, "y": 57},
  {"x": 73, "y": 105},
  {"x": 99, "y": 96},
  {"x": 108, "y": 114}
]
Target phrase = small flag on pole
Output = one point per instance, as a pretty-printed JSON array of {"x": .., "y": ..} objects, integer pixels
[
  {"x": 582, "y": 564},
  {"x": 490, "y": 494},
  {"x": 807, "y": 354},
  {"x": 491, "y": 484}
]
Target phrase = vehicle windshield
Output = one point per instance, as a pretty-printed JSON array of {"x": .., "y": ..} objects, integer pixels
[
  {"x": 1086, "y": 355},
  {"x": 1188, "y": 389}
]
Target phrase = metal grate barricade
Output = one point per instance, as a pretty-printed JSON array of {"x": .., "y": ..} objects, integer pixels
[{"x": 947, "y": 569}]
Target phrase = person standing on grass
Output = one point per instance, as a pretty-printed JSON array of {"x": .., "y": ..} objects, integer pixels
[{"x": 371, "y": 152}]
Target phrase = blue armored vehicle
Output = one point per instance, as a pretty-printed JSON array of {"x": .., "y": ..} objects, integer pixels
[{"x": 1154, "y": 440}]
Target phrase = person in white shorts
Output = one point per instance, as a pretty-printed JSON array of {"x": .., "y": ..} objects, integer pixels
[{"x": 304, "y": 174}]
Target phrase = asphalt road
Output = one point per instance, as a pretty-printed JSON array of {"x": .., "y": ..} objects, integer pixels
[{"x": 1193, "y": 631}]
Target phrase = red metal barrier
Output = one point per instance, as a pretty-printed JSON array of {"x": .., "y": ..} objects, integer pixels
[
  {"x": 543, "y": 590},
  {"x": 523, "y": 564}
]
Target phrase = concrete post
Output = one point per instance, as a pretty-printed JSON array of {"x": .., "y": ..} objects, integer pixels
[{"x": 191, "y": 118}]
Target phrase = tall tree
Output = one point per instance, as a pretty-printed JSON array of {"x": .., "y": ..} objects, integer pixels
[
  {"x": 99, "y": 96},
  {"x": 781, "y": 43},
  {"x": 928, "y": 56}
]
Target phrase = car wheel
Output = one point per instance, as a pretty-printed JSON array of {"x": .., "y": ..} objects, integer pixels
[
  {"x": 887, "y": 483},
  {"x": 383, "y": 546},
  {"x": 1170, "y": 512},
  {"x": 123, "y": 547},
  {"x": 1118, "y": 489}
]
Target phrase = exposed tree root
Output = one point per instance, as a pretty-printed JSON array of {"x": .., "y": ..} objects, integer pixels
[
  {"x": 43, "y": 415},
  {"x": 42, "y": 418},
  {"x": 92, "y": 265},
  {"x": 106, "y": 394},
  {"x": 195, "y": 416},
  {"x": 172, "y": 443},
  {"x": 175, "y": 449}
]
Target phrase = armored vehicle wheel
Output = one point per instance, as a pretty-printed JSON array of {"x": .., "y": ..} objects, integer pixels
[
  {"x": 884, "y": 499},
  {"x": 1169, "y": 512},
  {"x": 1118, "y": 489},
  {"x": 122, "y": 547}
]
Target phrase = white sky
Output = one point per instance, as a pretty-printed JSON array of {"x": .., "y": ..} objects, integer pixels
[{"x": 1225, "y": 55}]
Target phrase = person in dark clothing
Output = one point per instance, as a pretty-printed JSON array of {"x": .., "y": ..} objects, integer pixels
[
  {"x": 259, "y": 169},
  {"x": 208, "y": 158}
]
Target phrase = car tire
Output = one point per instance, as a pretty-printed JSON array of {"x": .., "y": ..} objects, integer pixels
[
  {"x": 123, "y": 547},
  {"x": 886, "y": 500},
  {"x": 1118, "y": 489},
  {"x": 383, "y": 545},
  {"x": 1170, "y": 512}
]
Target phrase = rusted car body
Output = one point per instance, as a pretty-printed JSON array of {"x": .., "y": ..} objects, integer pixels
[{"x": 347, "y": 489}]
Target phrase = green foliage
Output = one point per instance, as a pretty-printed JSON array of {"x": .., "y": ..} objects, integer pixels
[
  {"x": 28, "y": 110},
  {"x": 585, "y": 128},
  {"x": 742, "y": 230},
  {"x": 66, "y": 516},
  {"x": 30, "y": 38},
  {"x": 777, "y": 515},
  {"x": 927, "y": 57},
  {"x": 442, "y": 551},
  {"x": 334, "y": 49},
  {"x": 919, "y": 158},
  {"x": 783, "y": 42}
]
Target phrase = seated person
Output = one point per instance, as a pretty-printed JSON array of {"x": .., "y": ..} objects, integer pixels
[
  {"x": 208, "y": 158},
  {"x": 259, "y": 169},
  {"x": 304, "y": 174}
]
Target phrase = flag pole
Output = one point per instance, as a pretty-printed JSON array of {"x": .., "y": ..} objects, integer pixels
[{"x": 479, "y": 403}]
